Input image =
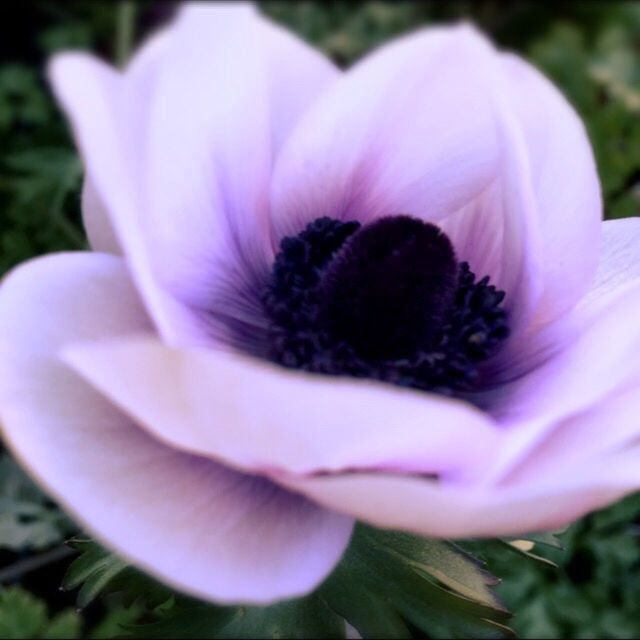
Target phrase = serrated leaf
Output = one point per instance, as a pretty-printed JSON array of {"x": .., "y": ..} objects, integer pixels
[
  {"x": 303, "y": 618},
  {"x": 114, "y": 623},
  {"x": 96, "y": 571},
  {"x": 521, "y": 549},
  {"x": 549, "y": 539},
  {"x": 133, "y": 586},
  {"x": 450, "y": 565},
  {"x": 387, "y": 585},
  {"x": 201, "y": 621},
  {"x": 347, "y": 593},
  {"x": 395, "y": 569},
  {"x": 92, "y": 571}
]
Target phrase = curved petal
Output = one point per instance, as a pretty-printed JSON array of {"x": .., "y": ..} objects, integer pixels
[
  {"x": 565, "y": 183},
  {"x": 369, "y": 147},
  {"x": 590, "y": 354},
  {"x": 92, "y": 93},
  {"x": 95, "y": 216},
  {"x": 180, "y": 150},
  {"x": 558, "y": 201},
  {"x": 563, "y": 189},
  {"x": 97, "y": 225},
  {"x": 407, "y": 130},
  {"x": 429, "y": 508},
  {"x": 602, "y": 357},
  {"x": 586, "y": 439},
  {"x": 590, "y": 460},
  {"x": 221, "y": 109},
  {"x": 283, "y": 420},
  {"x": 198, "y": 526},
  {"x": 618, "y": 269},
  {"x": 499, "y": 232},
  {"x": 297, "y": 74},
  {"x": 618, "y": 264}
]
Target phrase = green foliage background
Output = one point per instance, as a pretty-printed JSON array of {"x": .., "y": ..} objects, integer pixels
[{"x": 590, "y": 49}]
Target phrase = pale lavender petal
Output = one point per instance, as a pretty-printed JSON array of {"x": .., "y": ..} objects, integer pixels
[
  {"x": 617, "y": 283},
  {"x": 97, "y": 224},
  {"x": 562, "y": 193},
  {"x": 440, "y": 509},
  {"x": 105, "y": 129},
  {"x": 600, "y": 357},
  {"x": 618, "y": 264},
  {"x": 180, "y": 150},
  {"x": 478, "y": 235},
  {"x": 196, "y": 525},
  {"x": 499, "y": 233},
  {"x": 95, "y": 216},
  {"x": 558, "y": 174},
  {"x": 408, "y": 130},
  {"x": 297, "y": 73},
  {"x": 565, "y": 182},
  {"x": 586, "y": 439},
  {"x": 206, "y": 172},
  {"x": 283, "y": 420}
]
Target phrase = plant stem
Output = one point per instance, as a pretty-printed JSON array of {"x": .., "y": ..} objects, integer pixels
[
  {"x": 18, "y": 569},
  {"x": 125, "y": 30}
]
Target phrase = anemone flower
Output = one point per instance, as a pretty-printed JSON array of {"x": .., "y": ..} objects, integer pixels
[{"x": 316, "y": 296}]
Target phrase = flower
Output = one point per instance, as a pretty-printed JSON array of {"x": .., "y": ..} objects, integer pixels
[{"x": 316, "y": 296}]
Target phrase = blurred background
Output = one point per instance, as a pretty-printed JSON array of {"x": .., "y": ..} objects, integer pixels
[{"x": 590, "y": 49}]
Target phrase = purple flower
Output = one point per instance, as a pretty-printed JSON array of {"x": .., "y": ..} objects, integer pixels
[{"x": 315, "y": 296}]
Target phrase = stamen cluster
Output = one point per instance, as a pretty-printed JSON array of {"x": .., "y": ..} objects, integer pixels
[{"x": 387, "y": 301}]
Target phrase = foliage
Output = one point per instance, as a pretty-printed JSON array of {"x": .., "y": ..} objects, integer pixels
[
  {"x": 596, "y": 588},
  {"x": 28, "y": 520},
  {"x": 592, "y": 51},
  {"x": 387, "y": 585},
  {"x": 390, "y": 583},
  {"x": 24, "y": 616}
]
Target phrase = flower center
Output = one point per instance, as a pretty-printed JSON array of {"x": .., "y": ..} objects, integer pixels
[{"x": 388, "y": 301}]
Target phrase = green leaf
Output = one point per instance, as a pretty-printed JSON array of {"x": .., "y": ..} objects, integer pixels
[
  {"x": 92, "y": 571},
  {"x": 305, "y": 618},
  {"x": 522, "y": 548},
  {"x": 96, "y": 571},
  {"x": 370, "y": 612},
  {"x": 65, "y": 625},
  {"x": 450, "y": 565},
  {"x": 308, "y": 617},
  {"x": 28, "y": 520},
  {"x": 549, "y": 539},
  {"x": 387, "y": 585},
  {"x": 389, "y": 581},
  {"x": 202, "y": 621},
  {"x": 22, "y": 615},
  {"x": 116, "y": 621}
]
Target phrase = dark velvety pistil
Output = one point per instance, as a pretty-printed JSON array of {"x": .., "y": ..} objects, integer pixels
[{"x": 387, "y": 301}]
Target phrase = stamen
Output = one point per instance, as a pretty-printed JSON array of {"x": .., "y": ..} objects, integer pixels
[{"x": 387, "y": 301}]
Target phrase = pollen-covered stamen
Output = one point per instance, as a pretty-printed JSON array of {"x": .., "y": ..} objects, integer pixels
[
  {"x": 290, "y": 300},
  {"x": 387, "y": 301}
]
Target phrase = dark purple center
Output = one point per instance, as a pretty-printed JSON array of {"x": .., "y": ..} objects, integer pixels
[{"x": 387, "y": 301}]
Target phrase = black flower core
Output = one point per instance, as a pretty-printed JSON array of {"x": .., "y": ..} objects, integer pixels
[{"x": 387, "y": 301}]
